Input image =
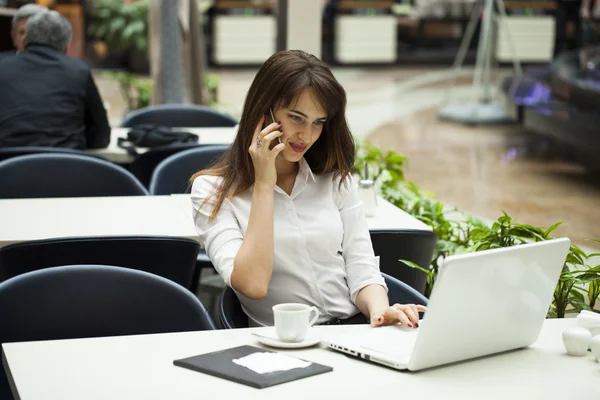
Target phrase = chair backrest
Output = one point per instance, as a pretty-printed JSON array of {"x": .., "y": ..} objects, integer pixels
[
  {"x": 65, "y": 175},
  {"x": 231, "y": 315},
  {"x": 10, "y": 152},
  {"x": 144, "y": 164},
  {"x": 173, "y": 174},
  {"x": 94, "y": 301},
  {"x": 172, "y": 258},
  {"x": 401, "y": 293},
  {"x": 178, "y": 116},
  {"x": 412, "y": 245}
]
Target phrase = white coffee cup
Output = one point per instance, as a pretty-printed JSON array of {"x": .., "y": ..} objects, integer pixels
[{"x": 292, "y": 321}]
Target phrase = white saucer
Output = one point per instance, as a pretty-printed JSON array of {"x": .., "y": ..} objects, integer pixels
[{"x": 268, "y": 337}]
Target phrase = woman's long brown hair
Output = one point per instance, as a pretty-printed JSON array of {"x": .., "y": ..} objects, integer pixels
[{"x": 277, "y": 84}]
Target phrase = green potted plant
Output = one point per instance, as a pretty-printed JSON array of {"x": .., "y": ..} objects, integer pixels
[
  {"x": 579, "y": 284},
  {"x": 124, "y": 28},
  {"x": 136, "y": 92},
  {"x": 212, "y": 86}
]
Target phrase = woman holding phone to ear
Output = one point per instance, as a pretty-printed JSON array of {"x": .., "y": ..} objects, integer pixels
[{"x": 279, "y": 215}]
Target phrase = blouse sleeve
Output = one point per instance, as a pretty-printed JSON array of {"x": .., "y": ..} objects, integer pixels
[
  {"x": 362, "y": 267},
  {"x": 221, "y": 237}
]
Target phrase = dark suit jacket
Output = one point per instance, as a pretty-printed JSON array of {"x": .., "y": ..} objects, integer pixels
[
  {"x": 50, "y": 99},
  {"x": 7, "y": 53}
]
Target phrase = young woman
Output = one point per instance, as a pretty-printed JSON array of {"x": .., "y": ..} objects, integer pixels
[{"x": 279, "y": 215}]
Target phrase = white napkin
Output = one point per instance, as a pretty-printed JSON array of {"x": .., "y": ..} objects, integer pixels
[{"x": 264, "y": 363}]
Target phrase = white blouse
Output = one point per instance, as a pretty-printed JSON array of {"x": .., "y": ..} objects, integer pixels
[{"x": 323, "y": 253}]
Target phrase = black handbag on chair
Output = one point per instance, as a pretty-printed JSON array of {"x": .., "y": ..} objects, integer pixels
[{"x": 154, "y": 136}]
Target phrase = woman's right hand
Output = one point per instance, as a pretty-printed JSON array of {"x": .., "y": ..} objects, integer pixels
[{"x": 263, "y": 157}]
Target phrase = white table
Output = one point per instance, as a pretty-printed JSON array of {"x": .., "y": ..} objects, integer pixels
[
  {"x": 141, "y": 367},
  {"x": 205, "y": 136},
  {"x": 32, "y": 219},
  {"x": 388, "y": 216}
]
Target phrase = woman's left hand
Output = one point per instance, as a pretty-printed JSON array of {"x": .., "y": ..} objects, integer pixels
[{"x": 407, "y": 314}]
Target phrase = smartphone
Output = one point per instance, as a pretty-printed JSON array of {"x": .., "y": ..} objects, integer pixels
[{"x": 273, "y": 120}]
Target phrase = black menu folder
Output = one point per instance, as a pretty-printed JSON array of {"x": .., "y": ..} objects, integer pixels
[{"x": 220, "y": 364}]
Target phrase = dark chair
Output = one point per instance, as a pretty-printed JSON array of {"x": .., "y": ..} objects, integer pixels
[
  {"x": 10, "y": 152},
  {"x": 412, "y": 245},
  {"x": 65, "y": 175},
  {"x": 231, "y": 315},
  {"x": 83, "y": 301},
  {"x": 178, "y": 116},
  {"x": 173, "y": 174},
  {"x": 144, "y": 165},
  {"x": 401, "y": 293},
  {"x": 172, "y": 258}
]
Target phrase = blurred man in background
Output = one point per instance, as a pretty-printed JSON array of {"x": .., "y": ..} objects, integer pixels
[
  {"x": 19, "y": 22},
  {"x": 48, "y": 98}
]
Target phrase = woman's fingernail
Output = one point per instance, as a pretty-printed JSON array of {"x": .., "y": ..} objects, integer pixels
[
  {"x": 279, "y": 122},
  {"x": 417, "y": 325},
  {"x": 410, "y": 325},
  {"x": 379, "y": 319}
]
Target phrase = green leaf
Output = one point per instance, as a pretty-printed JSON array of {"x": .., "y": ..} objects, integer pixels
[
  {"x": 586, "y": 278},
  {"x": 417, "y": 266},
  {"x": 103, "y": 13},
  {"x": 505, "y": 219},
  {"x": 117, "y": 25},
  {"x": 552, "y": 228},
  {"x": 101, "y": 31},
  {"x": 395, "y": 158},
  {"x": 128, "y": 32},
  {"x": 141, "y": 43},
  {"x": 577, "y": 295}
]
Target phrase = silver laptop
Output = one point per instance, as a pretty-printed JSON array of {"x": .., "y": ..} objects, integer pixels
[{"x": 482, "y": 303}]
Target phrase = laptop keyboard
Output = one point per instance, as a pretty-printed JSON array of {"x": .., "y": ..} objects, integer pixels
[{"x": 393, "y": 341}]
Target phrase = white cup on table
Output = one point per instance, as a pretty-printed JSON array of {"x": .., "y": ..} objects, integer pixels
[{"x": 292, "y": 320}]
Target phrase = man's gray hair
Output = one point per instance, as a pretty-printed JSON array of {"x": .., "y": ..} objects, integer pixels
[
  {"x": 28, "y": 10},
  {"x": 48, "y": 28}
]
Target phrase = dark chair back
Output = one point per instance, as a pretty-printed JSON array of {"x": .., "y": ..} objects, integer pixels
[
  {"x": 65, "y": 175},
  {"x": 401, "y": 293},
  {"x": 412, "y": 245},
  {"x": 231, "y": 315},
  {"x": 178, "y": 116},
  {"x": 144, "y": 164},
  {"x": 173, "y": 174},
  {"x": 170, "y": 257},
  {"x": 85, "y": 301},
  {"x": 10, "y": 152}
]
